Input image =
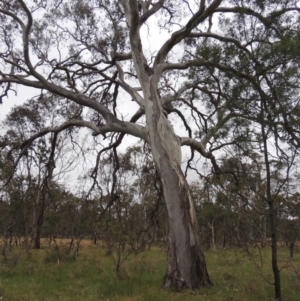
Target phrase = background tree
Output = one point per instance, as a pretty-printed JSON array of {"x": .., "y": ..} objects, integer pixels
[
  {"x": 34, "y": 170},
  {"x": 289, "y": 222}
]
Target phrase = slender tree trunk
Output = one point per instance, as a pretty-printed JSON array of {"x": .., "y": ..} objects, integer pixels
[
  {"x": 38, "y": 220},
  {"x": 223, "y": 241},
  {"x": 94, "y": 235},
  {"x": 272, "y": 216},
  {"x": 263, "y": 231},
  {"x": 212, "y": 228},
  {"x": 41, "y": 200},
  {"x": 237, "y": 228},
  {"x": 4, "y": 247},
  {"x": 213, "y": 237},
  {"x": 26, "y": 236},
  {"x": 34, "y": 243},
  {"x": 186, "y": 264},
  {"x": 26, "y": 225},
  {"x": 292, "y": 245},
  {"x": 38, "y": 223},
  {"x": 10, "y": 241},
  {"x": 275, "y": 268}
]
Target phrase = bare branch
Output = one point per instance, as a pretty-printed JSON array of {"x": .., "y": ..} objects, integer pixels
[
  {"x": 179, "y": 35},
  {"x": 156, "y": 7},
  {"x": 199, "y": 147}
]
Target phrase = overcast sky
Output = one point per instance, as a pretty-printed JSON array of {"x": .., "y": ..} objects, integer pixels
[{"x": 23, "y": 93}]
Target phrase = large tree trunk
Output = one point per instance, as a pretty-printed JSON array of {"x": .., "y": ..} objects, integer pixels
[{"x": 185, "y": 262}]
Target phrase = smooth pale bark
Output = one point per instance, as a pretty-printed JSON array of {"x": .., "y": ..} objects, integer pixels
[{"x": 185, "y": 262}]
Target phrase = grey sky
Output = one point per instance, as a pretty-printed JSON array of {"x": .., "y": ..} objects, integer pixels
[{"x": 23, "y": 93}]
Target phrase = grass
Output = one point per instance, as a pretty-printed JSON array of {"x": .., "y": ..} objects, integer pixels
[{"x": 35, "y": 275}]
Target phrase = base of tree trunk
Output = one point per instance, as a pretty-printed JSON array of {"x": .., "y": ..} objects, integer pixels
[{"x": 193, "y": 267}]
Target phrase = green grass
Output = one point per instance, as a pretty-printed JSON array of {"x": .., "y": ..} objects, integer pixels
[{"x": 36, "y": 276}]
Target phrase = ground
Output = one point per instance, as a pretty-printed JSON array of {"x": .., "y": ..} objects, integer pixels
[{"x": 36, "y": 275}]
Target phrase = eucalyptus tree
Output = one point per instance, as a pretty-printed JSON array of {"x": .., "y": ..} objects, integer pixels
[
  {"x": 257, "y": 61},
  {"x": 93, "y": 53},
  {"x": 6, "y": 220},
  {"x": 255, "y": 188},
  {"x": 290, "y": 222},
  {"x": 34, "y": 170}
]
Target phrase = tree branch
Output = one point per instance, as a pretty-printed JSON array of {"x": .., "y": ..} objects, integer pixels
[
  {"x": 156, "y": 7},
  {"x": 179, "y": 35},
  {"x": 199, "y": 147}
]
